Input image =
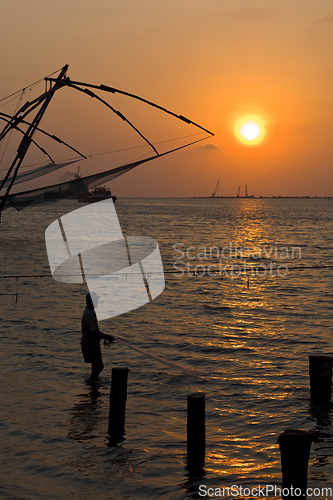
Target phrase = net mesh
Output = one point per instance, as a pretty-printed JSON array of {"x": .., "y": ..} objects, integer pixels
[
  {"x": 40, "y": 171},
  {"x": 67, "y": 189}
]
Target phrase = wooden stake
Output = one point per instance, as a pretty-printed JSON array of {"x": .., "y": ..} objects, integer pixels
[
  {"x": 196, "y": 432},
  {"x": 320, "y": 369},
  {"x": 118, "y": 396},
  {"x": 295, "y": 450}
]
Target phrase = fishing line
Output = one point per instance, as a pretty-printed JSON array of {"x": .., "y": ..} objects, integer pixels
[{"x": 184, "y": 369}]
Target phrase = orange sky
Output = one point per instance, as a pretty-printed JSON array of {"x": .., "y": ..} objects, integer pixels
[{"x": 211, "y": 61}]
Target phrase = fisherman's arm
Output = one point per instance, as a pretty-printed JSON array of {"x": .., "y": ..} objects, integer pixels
[{"x": 105, "y": 336}]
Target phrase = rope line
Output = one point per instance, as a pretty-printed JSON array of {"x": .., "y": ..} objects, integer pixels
[
  {"x": 29, "y": 86},
  {"x": 110, "y": 152},
  {"x": 148, "y": 275},
  {"x": 11, "y": 132},
  {"x": 175, "y": 272}
]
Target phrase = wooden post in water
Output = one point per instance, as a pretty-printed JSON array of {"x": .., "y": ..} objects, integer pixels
[
  {"x": 320, "y": 369},
  {"x": 118, "y": 396},
  {"x": 196, "y": 431},
  {"x": 295, "y": 450}
]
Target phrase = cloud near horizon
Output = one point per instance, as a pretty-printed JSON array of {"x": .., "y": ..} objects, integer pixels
[
  {"x": 328, "y": 19},
  {"x": 209, "y": 147}
]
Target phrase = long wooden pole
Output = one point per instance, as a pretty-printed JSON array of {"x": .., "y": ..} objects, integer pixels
[
  {"x": 184, "y": 369},
  {"x": 106, "y": 88}
]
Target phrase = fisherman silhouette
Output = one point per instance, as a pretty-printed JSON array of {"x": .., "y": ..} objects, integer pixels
[{"x": 91, "y": 337}]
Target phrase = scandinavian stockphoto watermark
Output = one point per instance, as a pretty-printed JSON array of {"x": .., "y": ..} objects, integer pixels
[
  {"x": 233, "y": 260},
  {"x": 87, "y": 246},
  {"x": 268, "y": 490}
]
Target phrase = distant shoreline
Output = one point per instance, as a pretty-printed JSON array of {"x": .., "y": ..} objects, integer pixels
[{"x": 263, "y": 197}]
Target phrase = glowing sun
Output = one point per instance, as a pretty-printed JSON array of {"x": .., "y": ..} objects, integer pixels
[{"x": 250, "y": 129}]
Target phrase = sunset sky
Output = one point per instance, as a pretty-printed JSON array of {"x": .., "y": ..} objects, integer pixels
[{"x": 213, "y": 61}]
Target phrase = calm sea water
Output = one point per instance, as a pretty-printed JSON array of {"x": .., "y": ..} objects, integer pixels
[{"x": 251, "y": 334}]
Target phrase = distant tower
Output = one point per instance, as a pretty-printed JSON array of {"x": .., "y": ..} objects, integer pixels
[{"x": 246, "y": 191}]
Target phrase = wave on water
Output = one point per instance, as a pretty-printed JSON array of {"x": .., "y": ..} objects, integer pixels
[{"x": 252, "y": 335}]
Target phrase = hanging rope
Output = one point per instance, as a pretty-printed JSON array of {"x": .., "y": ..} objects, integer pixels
[
  {"x": 11, "y": 132},
  {"x": 29, "y": 86},
  {"x": 175, "y": 272}
]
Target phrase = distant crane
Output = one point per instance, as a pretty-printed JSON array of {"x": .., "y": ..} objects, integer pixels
[
  {"x": 217, "y": 185},
  {"x": 238, "y": 192}
]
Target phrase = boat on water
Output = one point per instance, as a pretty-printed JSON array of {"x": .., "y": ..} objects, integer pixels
[{"x": 98, "y": 194}]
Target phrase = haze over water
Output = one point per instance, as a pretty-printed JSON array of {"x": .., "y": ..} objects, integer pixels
[{"x": 252, "y": 337}]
